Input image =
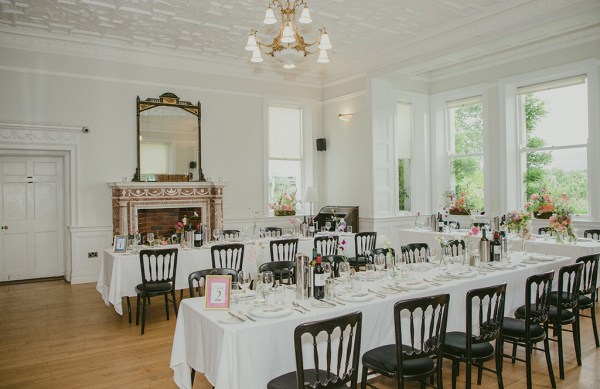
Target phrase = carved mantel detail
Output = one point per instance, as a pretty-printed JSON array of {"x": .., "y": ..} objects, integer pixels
[{"x": 129, "y": 197}]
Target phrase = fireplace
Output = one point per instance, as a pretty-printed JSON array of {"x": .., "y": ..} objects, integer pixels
[{"x": 158, "y": 206}]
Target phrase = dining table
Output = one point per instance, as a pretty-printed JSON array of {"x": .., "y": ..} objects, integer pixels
[
  {"x": 120, "y": 271},
  {"x": 251, "y": 343}
]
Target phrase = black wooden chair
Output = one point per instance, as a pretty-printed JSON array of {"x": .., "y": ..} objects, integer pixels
[
  {"x": 420, "y": 355},
  {"x": 335, "y": 262},
  {"x": 412, "y": 251},
  {"x": 480, "y": 224},
  {"x": 592, "y": 234},
  {"x": 370, "y": 254},
  {"x": 533, "y": 327},
  {"x": 283, "y": 271},
  {"x": 474, "y": 347},
  {"x": 588, "y": 289},
  {"x": 363, "y": 241},
  {"x": 230, "y": 256},
  {"x": 197, "y": 278},
  {"x": 231, "y": 234},
  {"x": 158, "y": 268},
  {"x": 456, "y": 247},
  {"x": 335, "y": 364},
  {"x": 274, "y": 231},
  {"x": 546, "y": 231},
  {"x": 563, "y": 310},
  {"x": 283, "y": 249},
  {"x": 326, "y": 245}
]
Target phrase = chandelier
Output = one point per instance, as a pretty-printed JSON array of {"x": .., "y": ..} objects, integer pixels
[{"x": 288, "y": 47}]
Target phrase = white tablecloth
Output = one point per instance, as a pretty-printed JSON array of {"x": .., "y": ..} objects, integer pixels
[
  {"x": 120, "y": 272},
  {"x": 247, "y": 355},
  {"x": 536, "y": 244}
]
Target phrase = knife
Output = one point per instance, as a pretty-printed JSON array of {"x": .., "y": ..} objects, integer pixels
[
  {"x": 236, "y": 316},
  {"x": 329, "y": 302},
  {"x": 247, "y": 316}
]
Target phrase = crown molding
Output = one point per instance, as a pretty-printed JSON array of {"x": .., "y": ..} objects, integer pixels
[{"x": 38, "y": 133}]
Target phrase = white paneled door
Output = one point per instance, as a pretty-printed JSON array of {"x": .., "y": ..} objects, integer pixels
[{"x": 31, "y": 243}]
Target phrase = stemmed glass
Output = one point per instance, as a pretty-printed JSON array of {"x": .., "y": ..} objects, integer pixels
[
  {"x": 243, "y": 282},
  {"x": 380, "y": 262},
  {"x": 326, "y": 269},
  {"x": 327, "y": 225},
  {"x": 217, "y": 234},
  {"x": 150, "y": 239},
  {"x": 344, "y": 270},
  {"x": 267, "y": 283}
]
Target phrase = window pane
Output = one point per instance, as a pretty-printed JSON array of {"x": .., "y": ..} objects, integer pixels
[
  {"x": 284, "y": 177},
  {"x": 285, "y": 133},
  {"x": 465, "y": 128},
  {"x": 154, "y": 157},
  {"x": 556, "y": 117},
  {"x": 404, "y": 184},
  {"x": 563, "y": 171},
  {"x": 467, "y": 176}
]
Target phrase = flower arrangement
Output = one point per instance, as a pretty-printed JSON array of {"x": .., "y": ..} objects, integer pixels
[
  {"x": 185, "y": 223},
  {"x": 519, "y": 221},
  {"x": 562, "y": 221},
  {"x": 457, "y": 204},
  {"x": 342, "y": 249},
  {"x": 540, "y": 204},
  {"x": 285, "y": 204}
]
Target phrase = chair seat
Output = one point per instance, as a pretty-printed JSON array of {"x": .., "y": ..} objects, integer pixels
[
  {"x": 515, "y": 328},
  {"x": 289, "y": 380},
  {"x": 566, "y": 316},
  {"x": 384, "y": 358},
  {"x": 455, "y": 344},
  {"x": 565, "y": 296},
  {"x": 584, "y": 302},
  {"x": 361, "y": 260},
  {"x": 161, "y": 287},
  {"x": 520, "y": 312}
]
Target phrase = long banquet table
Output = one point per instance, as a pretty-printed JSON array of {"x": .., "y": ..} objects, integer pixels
[
  {"x": 120, "y": 272},
  {"x": 249, "y": 354}
]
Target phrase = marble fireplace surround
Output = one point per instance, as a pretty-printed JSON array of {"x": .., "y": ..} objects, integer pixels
[{"x": 129, "y": 197}]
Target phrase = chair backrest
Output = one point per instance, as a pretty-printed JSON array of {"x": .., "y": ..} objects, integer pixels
[
  {"x": 283, "y": 271},
  {"x": 456, "y": 247},
  {"x": 370, "y": 254},
  {"x": 229, "y": 234},
  {"x": 589, "y": 274},
  {"x": 229, "y": 256},
  {"x": 284, "y": 249},
  {"x": 339, "y": 355},
  {"x": 454, "y": 222},
  {"x": 196, "y": 279},
  {"x": 479, "y": 224},
  {"x": 326, "y": 245},
  {"x": 335, "y": 262},
  {"x": 592, "y": 234},
  {"x": 364, "y": 241},
  {"x": 569, "y": 278},
  {"x": 158, "y": 266},
  {"x": 424, "y": 331},
  {"x": 546, "y": 231},
  {"x": 412, "y": 251},
  {"x": 274, "y": 231},
  {"x": 537, "y": 299},
  {"x": 488, "y": 305}
]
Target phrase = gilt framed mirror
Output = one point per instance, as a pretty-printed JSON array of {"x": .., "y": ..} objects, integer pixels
[{"x": 169, "y": 133}]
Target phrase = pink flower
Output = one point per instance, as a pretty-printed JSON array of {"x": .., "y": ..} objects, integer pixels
[
  {"x": 534, "y": 196},
  {"x": 474, "y": 231}
]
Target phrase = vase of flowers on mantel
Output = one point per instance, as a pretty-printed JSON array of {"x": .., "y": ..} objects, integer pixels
[{"x": 285, "y": 204}]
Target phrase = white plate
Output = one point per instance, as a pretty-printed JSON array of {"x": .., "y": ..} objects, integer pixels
[
  {"x": 229, "y": 320},
  {"x": 320, "y": 304},
  {"x": 356, "y": 297},
  {"x": 367, "y": 276},
  {"x": 385, "y": 290},
  {"x": 248, "y": 295},
  {"x": 503, "y": 265},
  {"x": 542, "y": 257},
  {"x": 462, "y": 274},
  {"x": 414, "y": 285},
  {"x": 269, "y": 312}
]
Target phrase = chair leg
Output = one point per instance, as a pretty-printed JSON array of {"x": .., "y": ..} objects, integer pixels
[
  {"x": 193, "y": 376},
  {"x": 593, "y": 315},
  {"x": 174, "y": 303},
  {"x": 137, "y": 310},
  {"x": 167, "y": 305},
  {"x": 180, "y": 294},
  {"x": 143, "y": 314},
  {"x": 528, "y": 363},
  {"x": 514, "y": 352},
  {"x": 549, "y": 362},
  {"x": 499, "y": 362},
  {"x": 129, "y": 309},
  {"x": 479, "y": 372},
  {"x": 468, "y": 374},
  {"x": 561, "y": 365},
  {"x": 363, "y": 380},
  {"x": 454, "y": 373},
  {"x": 577, "y": 338}
]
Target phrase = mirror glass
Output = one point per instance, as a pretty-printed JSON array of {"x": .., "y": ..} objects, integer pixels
[{"x": 168, "y": 140}]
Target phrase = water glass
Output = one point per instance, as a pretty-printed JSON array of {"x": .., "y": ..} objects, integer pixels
[
  {"x": 279, "y": 293},
  {"x": 150, "y": 239},
  {"x": 267, "y": 283},
  {"x": 379, "y": 262},
  {"x": 329, "y": 289},
  {"x": 326, "y": 269},
  {"x": 327, "y": 225},
  {"x": 349, "y": 229}
]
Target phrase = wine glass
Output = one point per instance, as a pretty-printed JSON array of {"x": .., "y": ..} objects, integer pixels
[
  {"x": 327, "y": 225},
  {"x": 134, "y": 244},
  {"x": 217, "y": 234},
  {"x": 243, "y": 282},
  {"x": 380, "y": 262},
  {"x": 150, "y": 239},
  {"x": 267, "y": 283},
  {"x": 326, "y": 269},
  {"x": 344, "y": 271}
]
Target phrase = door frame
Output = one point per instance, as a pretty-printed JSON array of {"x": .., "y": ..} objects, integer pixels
[{"x": 48, "y": 140}]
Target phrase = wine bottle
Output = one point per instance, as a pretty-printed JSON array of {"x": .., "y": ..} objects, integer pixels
[
  {"x": 484, "y": 248},
  {"x": 311, "y": 227},
  {"x": 198, "y": 236},
  {"x": 440, "y": 222},
  {"x": 319, "y": 280},
  {"x": 304, "y": 228},
  {"x": 496, "y": 248}
]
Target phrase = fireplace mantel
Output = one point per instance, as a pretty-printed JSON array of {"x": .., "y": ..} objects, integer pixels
[{"x": 129, "y": 197}]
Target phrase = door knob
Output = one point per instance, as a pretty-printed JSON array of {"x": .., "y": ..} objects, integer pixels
[{"x": 5, "y": 227}]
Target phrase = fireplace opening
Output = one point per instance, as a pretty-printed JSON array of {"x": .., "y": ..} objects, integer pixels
[{"x": 163, "y": 221}]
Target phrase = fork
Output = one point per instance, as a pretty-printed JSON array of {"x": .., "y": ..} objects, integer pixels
[
  {"x": 299, "y": 306},
  {"x": 240, "y": 313}
]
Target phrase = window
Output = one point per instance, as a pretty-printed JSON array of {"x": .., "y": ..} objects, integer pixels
[
  {"x": 155, "y": 157},
  {"x": 404, "y": 132},
  {"x": 465, "y": 148},
  {"x": 285, "y": 151},
  {"x": 553, "y": 121}
]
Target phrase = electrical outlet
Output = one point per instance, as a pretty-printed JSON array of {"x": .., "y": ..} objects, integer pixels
[{"x": 93, "y": 254}]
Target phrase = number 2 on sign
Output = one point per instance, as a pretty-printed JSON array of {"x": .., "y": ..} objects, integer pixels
[{"x": 218, "y": 293}]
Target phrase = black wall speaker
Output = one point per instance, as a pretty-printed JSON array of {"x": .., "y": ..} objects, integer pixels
[
  {"x": 321, "y": 144},
  {"x": 192, "y": 164}
]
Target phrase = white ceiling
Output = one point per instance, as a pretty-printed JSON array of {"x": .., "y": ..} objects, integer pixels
[{"x": 416, "y": 38}]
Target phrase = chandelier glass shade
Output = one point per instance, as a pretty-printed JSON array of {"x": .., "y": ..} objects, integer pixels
[{"x": 288, "y": 47}]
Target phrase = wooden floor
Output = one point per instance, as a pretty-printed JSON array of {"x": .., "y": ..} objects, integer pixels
[{"x": 54, "y": 335}]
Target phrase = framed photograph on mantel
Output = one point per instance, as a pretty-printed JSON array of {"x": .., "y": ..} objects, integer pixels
[
  {"x": 120, "y": 244},
  {"x": 217, "y": 292}
]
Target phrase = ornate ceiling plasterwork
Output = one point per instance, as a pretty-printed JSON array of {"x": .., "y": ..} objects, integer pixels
[{"x": 367, "y": 35}]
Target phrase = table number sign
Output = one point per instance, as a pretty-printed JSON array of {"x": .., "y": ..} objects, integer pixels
[
  {"x": 218, "y": 292},
  {"x": 120, "y": 244}
]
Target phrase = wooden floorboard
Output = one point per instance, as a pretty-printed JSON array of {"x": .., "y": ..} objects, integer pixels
[{"x": 57, "y": 335}]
